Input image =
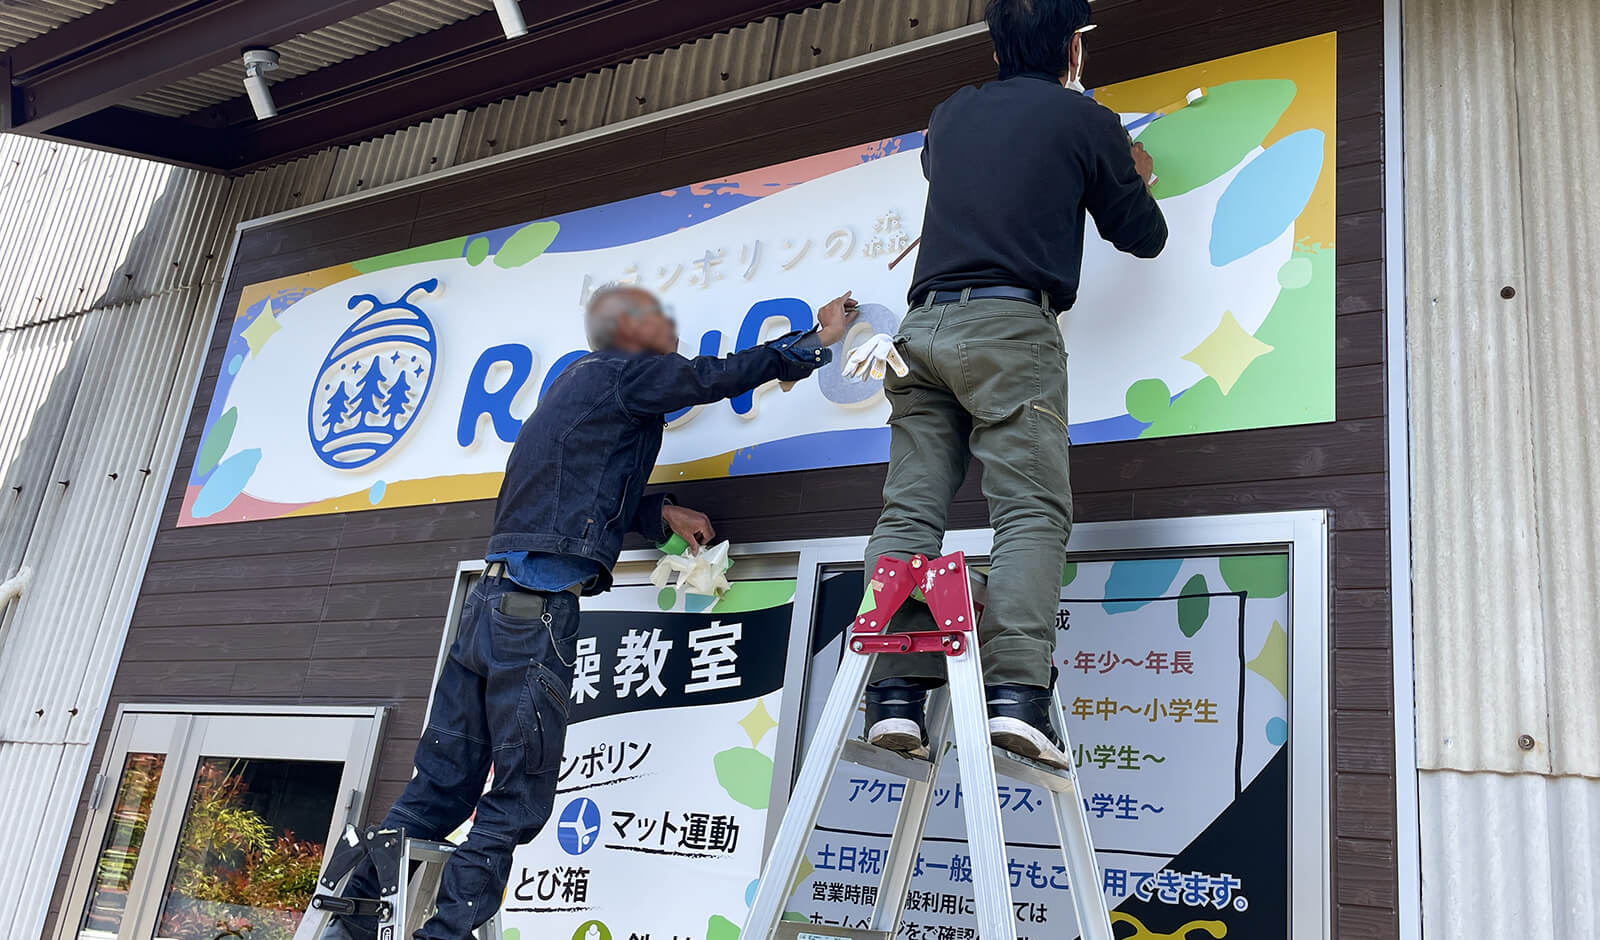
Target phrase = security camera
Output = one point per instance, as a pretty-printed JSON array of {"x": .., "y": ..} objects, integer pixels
[
  {"x": 258, "y": 62},
  {"x": 511, "y": 18}
]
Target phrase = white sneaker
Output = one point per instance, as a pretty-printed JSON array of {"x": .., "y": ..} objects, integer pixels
[
  {"x": 1024, "y": 740},
  {"x": 898, "y": 734}
]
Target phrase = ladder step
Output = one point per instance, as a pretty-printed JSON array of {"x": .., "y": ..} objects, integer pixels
[
  {"x": 424, "y": 851},
  {"x": 794, "y": 930},
  {"x": 1029, "y": 771},
  {"x": 857, "y": 751}
]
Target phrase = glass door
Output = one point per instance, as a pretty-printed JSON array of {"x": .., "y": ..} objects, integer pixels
[{"x": 209, "y": 825}]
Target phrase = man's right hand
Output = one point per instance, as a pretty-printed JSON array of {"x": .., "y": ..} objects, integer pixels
[
  {"x": 835, "y": 318},
  {"x": 1144, "y": 164}
]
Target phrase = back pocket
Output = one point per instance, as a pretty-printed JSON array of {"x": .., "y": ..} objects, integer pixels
[{"x": 999, "y": 377}]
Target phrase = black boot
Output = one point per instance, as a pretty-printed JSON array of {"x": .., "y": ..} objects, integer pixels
[
  {"x": 1019, "y": 721},
  {"x": 897, "y": 715}
]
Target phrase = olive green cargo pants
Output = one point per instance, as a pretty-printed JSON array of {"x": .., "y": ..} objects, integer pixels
[{"x": 988, "y": 379}]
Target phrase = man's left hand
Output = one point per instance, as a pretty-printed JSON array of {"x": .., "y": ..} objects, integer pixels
[{"x": 693, "y": 526}]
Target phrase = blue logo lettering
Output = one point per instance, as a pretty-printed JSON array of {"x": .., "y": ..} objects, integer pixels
[{"x": 373, "y": 383}]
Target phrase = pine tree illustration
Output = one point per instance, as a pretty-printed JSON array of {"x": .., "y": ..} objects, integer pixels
[
  {"x": 338, "y": 405},
  {"x": 398, "y": 399},
  {"x": 369, "y": 394}
]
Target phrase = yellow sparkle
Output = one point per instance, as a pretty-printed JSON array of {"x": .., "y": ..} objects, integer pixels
[
  {"x": 1227, "y": 352},
  {"x": 1272, "y": 663},
  {"x": 257, "y": 333},
  {"x": 758, "y": 723}
]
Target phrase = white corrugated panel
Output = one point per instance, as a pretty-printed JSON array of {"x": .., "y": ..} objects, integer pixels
[
  {"x": 22, "y": 20},
  {"x": 838, "y": 31},
  {"x": 61, "y": 647},
  {"x": 1481, "y": 652},
  {"x": 33, "y": 814},
  {"x": 1558, "y": 85},
  {"x": 39, "y": 376},
  {"x": 415, "y": 151},
  {"x": 573, "y": 106},
  {"x": 1510, "y": 856},
  {"x": 86, "y": 228},
  {"x": 375, "y": 29},
  {"x": 700, "y": 69},
  {"x": 62, "y": 643}
]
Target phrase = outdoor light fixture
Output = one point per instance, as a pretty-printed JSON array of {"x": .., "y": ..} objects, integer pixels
[
  {"x": 511, "y": 18},
  {"x": 257, "y": 63}
]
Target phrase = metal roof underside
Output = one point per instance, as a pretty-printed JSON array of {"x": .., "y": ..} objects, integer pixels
[{"x": 163, "y": 80}]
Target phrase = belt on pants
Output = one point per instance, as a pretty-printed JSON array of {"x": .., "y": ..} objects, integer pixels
[
  {"x": 977, "y": 293},
  {"x": 497, "y": 569}
]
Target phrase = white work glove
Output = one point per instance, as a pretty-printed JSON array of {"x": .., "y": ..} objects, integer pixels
[
  {"x": 873, "y": 358},
  {"x": 703, "y": 572}
]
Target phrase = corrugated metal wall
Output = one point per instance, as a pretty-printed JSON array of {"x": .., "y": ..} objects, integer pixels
[
  {"x": 111, "y": 272},
  {"x": 1503, "y": 145}
]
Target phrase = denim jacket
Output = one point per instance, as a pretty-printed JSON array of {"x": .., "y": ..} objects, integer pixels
[{"x": 574, "y": 484}]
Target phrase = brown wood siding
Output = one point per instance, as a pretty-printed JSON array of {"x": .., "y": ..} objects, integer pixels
[{"x": 326, "y": 609}]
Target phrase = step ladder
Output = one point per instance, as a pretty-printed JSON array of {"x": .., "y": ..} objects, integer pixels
[
  {"x": 944, "y": 584},
  {"x": 407, "y": 897}
]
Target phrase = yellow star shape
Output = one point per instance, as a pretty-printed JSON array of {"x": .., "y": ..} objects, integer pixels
[
  {"x": 1227, "y": 352},
  {"x": 758, "y": 723},
  {"x": 257, "y": 333}
]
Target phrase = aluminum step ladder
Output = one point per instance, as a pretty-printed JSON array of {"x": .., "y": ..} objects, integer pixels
[
  {"x": 407, "y": 898},
  {"x": 944, "y": 584}
]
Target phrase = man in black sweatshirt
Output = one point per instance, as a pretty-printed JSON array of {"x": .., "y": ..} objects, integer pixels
[{"x": 1013, "y": 166}]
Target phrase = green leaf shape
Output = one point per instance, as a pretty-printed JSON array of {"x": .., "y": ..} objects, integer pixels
[
  {"x": 216, "y": 442},
  {"x": 477, "y": 251},
  {"x": 1195, "y": 145},
  {"x": 721, "y": 928},
  {"x": 1257, "y": 575},
  {"x": 438, "y": 251},
  {"x": 526, "y": 244},
  {"x": 1293, "y": 384},
  {"x": 1194, "y": 605},
  {"x": 746, "y": 596},
  {"x": 746, "y": 774},
  {"x": 1148, "y": 400},
  {"x": 1069, "y": 574}
]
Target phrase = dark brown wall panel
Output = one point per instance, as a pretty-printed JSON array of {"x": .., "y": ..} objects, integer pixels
[{"x": 348, "y": 608}]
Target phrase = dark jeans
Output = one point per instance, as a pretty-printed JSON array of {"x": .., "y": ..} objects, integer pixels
[{"x": 502, "y": 702}]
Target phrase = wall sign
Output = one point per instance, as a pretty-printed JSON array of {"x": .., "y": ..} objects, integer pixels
[
  {"x": 1174, "y": 673},
  {"x": 661, "y": 806},
  {"x": 403, "y": 379}
]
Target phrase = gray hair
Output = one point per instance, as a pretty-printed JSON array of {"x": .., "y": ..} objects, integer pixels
[{"x": 600, "y": 315}]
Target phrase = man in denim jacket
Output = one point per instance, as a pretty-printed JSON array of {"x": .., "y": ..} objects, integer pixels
[{"x": 574, "y": 485}]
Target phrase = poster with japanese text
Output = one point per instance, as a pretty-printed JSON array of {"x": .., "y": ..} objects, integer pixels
[
  {"x": 1174, "y": 675},
  {"x": 403, "y": 379},
  {"x": 661, "y": 805}
]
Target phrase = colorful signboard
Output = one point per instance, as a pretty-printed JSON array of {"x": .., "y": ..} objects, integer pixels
[
  {"x": 403, "y": 379},
  {"x": 1174, "y": 675}
]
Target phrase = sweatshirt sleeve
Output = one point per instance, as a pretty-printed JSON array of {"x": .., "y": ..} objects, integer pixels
[{"x": 1124, "y": 212}]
